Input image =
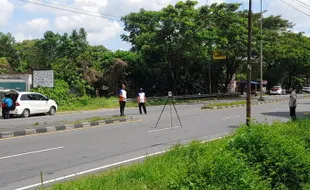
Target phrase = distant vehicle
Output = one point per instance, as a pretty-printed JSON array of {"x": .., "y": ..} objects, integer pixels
[
  {"x": 306, "y": 89},
  {"x": 277, "y": 90},
  {"x": 30, "y": 103}
]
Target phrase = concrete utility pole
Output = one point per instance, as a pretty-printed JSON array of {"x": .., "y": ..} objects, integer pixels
[
  {"x": 249, "y": 66},
  {"x": 261, "y": 51}
]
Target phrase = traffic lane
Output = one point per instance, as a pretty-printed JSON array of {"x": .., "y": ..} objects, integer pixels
[
  {"x": 51, "y": 120},
  {"x": 20, "y": 123},
  {"x": 108, "y": 142},
  {"x": 199, "y": 115},
  {"x": 133, "y": 139}
]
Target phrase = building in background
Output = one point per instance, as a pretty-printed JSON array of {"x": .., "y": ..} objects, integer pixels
[{"x": 20, "y": 82}]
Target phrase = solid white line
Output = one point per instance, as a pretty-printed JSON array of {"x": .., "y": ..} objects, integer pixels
[
  {"x": 91, "y": 170},
  {"x": 32, "y": 152},
  {"x": 231, "y": 117},
  {"x": 100, "y": 168},
  {"x": 168, "y": 128}
]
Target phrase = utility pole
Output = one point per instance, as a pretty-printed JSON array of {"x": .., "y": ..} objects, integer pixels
[
  {"x": 210, "y": 84},
  {"x": 261, "y": 51},
  {"x": 249, "y": 66},
  {"x": 209, "y": 65}
]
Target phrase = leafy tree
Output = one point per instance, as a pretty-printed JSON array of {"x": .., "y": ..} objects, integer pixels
[
  {"x": 8, "y": 51},
  {"x": 162, "y": 39}
]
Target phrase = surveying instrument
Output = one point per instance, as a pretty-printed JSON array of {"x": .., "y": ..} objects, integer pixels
[{"x": 171, "y": 103}]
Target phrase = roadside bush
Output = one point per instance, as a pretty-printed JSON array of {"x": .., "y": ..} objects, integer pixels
[
  {"x": 195, "y": 167},
  {"x": 260, "y": 157},
  {"x": 278, "y": 152},
  {"x": 60, "y": 92}
]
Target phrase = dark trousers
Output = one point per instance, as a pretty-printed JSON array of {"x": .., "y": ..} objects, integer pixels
[
  {"x": 293, "y": 113},
  {"x": 122, "y": 107},
  {"x": 6, "y": 113},
  {"x": 144, "y": 108}
]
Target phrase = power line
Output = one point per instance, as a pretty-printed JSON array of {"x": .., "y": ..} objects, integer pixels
[
  {"x": 153, "y": 1},
  {"x": 294, "y": 8},
  {"x": 62, "y": 5},
  {"x": 72, "y": 11},
  {"x": 302, "y": 4}
]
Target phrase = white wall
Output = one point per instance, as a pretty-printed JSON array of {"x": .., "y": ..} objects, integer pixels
[{"x": 25, "y": 77}]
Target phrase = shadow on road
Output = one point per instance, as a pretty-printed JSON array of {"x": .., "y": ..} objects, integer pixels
[
  {"x": 234, "y": 126},
  {"x": 286, "y": 114}
]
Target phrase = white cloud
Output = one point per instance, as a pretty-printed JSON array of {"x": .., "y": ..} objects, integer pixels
[
  {"x": 39, "y": 6},
  {"x": 19, "y": 37},
  {"x": 98, "y": 29},
  {"x": 103, "y": 31},
  {"x": 277, "y": 7},
  {"x": 109, "y": 31},
  {"x": 6, "y": 10},
  {"x": 39, "y": 24},
  {"x": 100, "y": 3}
]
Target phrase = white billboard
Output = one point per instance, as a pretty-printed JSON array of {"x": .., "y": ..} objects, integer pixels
[{"x": 43, "y": 78}]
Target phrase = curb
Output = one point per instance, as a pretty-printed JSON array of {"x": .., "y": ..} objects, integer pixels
[
  {"x": 210, "y": 107},
  {"x": 50, "y": 129}
]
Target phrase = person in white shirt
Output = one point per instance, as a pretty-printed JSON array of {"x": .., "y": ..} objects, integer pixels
[
  {"x": 141, "y": 101},
  {"x": 122, "y": 94},
  {"x": 293, "y": 103}
]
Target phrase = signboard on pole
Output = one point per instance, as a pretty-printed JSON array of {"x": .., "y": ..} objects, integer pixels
[
  {"x": 217, "y": 55},
  {"x": 43, "y": 78}
]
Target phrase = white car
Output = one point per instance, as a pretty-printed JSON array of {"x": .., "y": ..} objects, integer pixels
[
  {"x": 30, "y": 103},
  {"x": 306, "y": 89},
  {"x": 277, "y": 90}
]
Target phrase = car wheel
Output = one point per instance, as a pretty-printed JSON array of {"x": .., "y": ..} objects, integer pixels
[
  {"x": 52, "y": 111},
  {"x": 26, "y": 113}
]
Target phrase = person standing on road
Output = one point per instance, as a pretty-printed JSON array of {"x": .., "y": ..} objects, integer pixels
[
  {"x": 141, "y": 101},
  {"x": 293, "y": 103},
  {"x": 6, "y": 105},
  {"x": 122, "y": 94}
]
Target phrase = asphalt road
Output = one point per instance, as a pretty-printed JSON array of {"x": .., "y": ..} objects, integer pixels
[
  {"x": 92, "y": 149},
  {"x": 15, "y": 124}
]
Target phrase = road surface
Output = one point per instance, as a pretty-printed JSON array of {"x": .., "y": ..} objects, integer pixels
[
  {"x": 93, "y": 149},
  {"x": 16, "y": 124}
]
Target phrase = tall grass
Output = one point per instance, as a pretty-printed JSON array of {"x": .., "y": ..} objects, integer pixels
[
  {"x": 87, "y": 103},
  {"x": 259, "y": 157}
]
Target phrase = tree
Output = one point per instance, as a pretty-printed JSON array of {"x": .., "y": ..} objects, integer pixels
[
  {"x": 162, "y": 39},
  {"x": 8, "y": 51}
]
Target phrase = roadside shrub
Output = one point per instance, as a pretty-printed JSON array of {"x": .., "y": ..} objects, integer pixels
[
  {"x": 276, "y": 152},
  {"x": 60, "y": 92}
]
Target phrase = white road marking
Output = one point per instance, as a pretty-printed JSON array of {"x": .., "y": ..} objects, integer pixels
[
  {"x": 276, "y": 109},
  {"x": 231, "y": 117},
  {"x": 32, "y": 152},
  {"x": 168, "y": 128},
  {"x": 100, "y": 168},
  {"x": 91, "y": 170}
]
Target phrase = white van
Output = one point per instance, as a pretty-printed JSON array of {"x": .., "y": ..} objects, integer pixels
[{"x": 29, "y": 103}]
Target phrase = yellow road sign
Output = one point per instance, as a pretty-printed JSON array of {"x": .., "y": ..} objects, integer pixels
[{"x": 218, "y": 55}]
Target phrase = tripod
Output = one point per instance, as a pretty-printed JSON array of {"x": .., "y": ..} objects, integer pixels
[{"x": 162, "y": 111}]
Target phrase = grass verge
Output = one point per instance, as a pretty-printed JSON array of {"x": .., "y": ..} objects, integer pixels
[
  {"x": 93, "y": 119},
  {"x": 223, "y": 104},
  {"x": 260, "y": 157},
  {"x": 86, "y": 103}
]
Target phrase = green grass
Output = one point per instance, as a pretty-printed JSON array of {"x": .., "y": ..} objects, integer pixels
[
  {"x": 93, "y": 119},
  {"x": 86, "y": 103},
  {"x": 223, "y": 104},
  {"x": 259, "y": 157}
]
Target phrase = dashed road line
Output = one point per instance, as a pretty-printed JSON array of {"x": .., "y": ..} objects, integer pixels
[
  {"x": 231, "y": 117},
  {"x": 32, "y": 152}
]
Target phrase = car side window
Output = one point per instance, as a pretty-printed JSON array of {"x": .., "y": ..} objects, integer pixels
[
  {"x": 40, "y": 97},
  {"x": 24, "y": 97},
  {"x": 32, "y": 97}
]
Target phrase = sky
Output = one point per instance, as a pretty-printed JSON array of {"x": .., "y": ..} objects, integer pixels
[{"x": 25, "y": 19}]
